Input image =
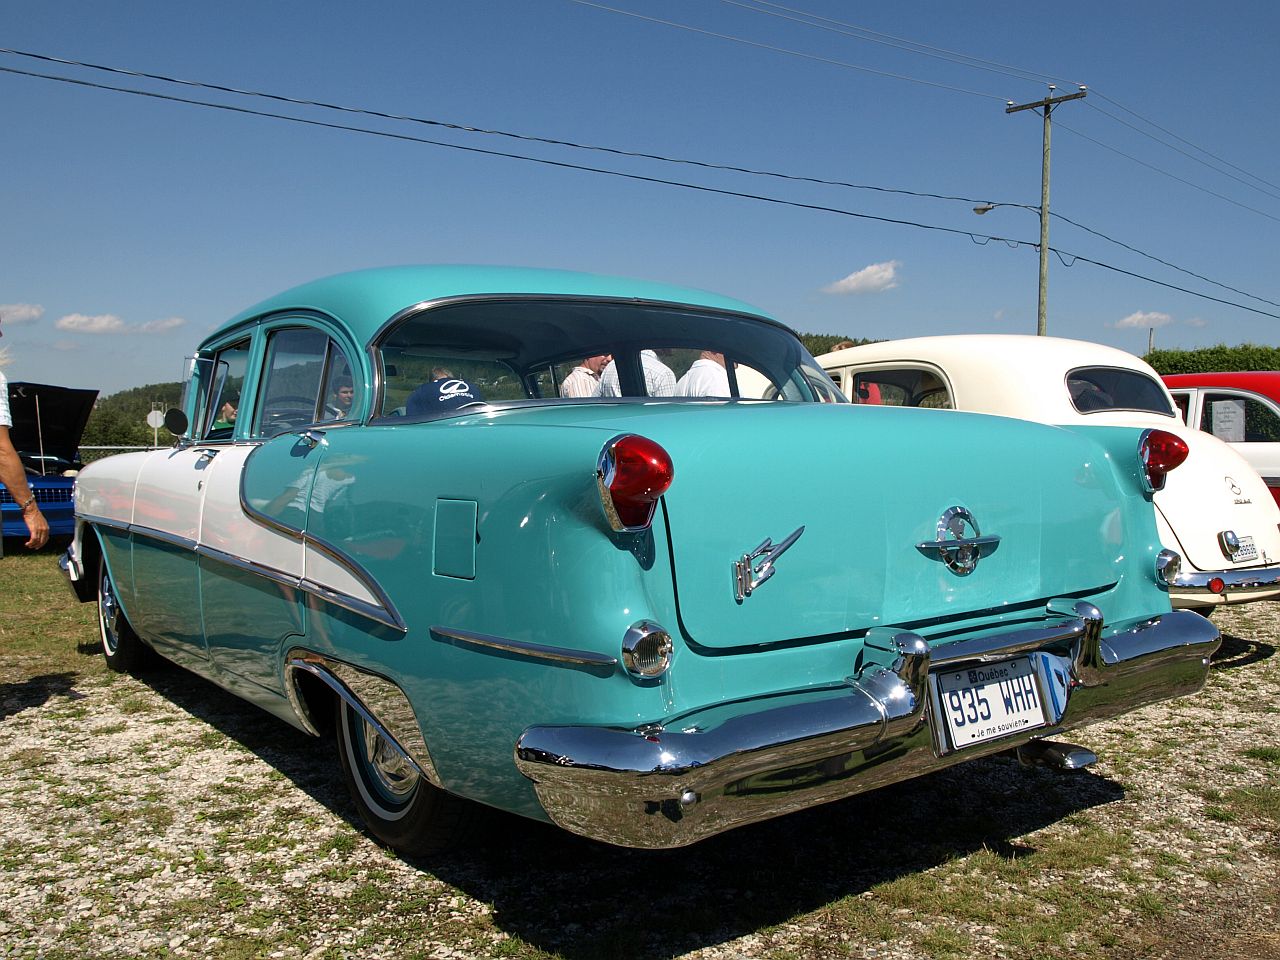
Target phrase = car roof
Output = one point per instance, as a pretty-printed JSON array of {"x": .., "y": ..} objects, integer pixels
[
  {"x": 366, "y": 299},
  {"x": 999, "y": 373},
  {"x": 1264, "y": 381}
]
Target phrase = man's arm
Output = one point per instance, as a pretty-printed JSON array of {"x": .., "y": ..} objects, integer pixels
[{"x": 14, "y": 478}]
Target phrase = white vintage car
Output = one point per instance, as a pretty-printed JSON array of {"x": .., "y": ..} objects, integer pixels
[{"x": 1214, "y": 510}]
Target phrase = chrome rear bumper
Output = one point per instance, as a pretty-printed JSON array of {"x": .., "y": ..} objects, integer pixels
[
  {"x": 1238, "y": 586},
  {"x": 698, "y": 774}
]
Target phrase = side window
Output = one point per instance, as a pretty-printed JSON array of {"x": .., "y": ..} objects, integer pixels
[
  {"x": 419, "y": 384},
  {"x": 304, "y": 382},
  {"x": 1238, "y": 419},
  {"x": 901, "y": 388},
  {"x": 1183, "y": 401},
  {"x": 229, "y": 366},
  {"x": 339, "y": 388}
]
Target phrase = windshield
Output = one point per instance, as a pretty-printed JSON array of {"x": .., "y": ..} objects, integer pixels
[
  {"x": 1095, "y": 389},
  {"x": 573, "y": 349}
]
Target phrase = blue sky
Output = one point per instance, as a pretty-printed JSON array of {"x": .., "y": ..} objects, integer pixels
[{"x": 132, "y": 226}]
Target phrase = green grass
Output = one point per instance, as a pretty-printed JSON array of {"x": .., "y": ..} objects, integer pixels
[{"x": 47, "y": 637}]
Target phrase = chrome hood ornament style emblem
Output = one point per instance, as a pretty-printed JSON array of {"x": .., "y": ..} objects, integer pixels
[
  {"x": 955, "y": 545},
  {"x": 748, "y": 574}
]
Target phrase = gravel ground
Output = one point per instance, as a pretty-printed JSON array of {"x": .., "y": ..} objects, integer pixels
[{"x": 164, "y": 818}]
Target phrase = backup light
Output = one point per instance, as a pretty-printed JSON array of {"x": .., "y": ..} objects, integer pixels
[
  {"x": 646, "y": 649},
  {"x": 1159, "y": 452},
  {"x": 1168, "y": 566},
  {"x": 1229, "y": 542},
  {"x": 633, "y": 472}
]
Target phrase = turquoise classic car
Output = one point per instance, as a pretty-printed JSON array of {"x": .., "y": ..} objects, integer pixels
[{"x": 514, "y": 538}]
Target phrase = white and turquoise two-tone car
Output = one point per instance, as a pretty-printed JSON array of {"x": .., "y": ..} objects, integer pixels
[{"x": 648, "y": 615}]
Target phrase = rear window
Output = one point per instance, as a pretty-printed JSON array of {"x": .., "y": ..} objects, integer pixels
[
  {"x": 533, "y": 349},
  {"x": 1095, "y": 389}
]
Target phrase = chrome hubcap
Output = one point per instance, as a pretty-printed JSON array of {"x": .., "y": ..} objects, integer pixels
[{"x": 394, "y": 774}]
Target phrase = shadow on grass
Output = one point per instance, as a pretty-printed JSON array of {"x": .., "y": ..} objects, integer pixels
[
  {"x": 25, "y": 694},
  {"x": 1240, "y": 652},
  {"x": 580, "y": 899}
]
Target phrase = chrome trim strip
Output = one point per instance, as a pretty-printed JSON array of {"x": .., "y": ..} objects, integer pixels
[
  {"x": 390, "y": 615},
  {"x": 1237, "y": 581},
  {"x": 354, "y": 604},
  {"x": 536, "y": 651},
  {"x": 273, "y": 574},
  {"x": 121, "y": 525},
  {"x": 655, "y": 786},
  {"x": 384, "y": 612},
  {"x": 385, "y": 615},
  {"x": 163, "y": 536},
  {"x": 378, "y": 700}
]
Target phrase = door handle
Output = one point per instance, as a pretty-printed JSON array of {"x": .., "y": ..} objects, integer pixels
[
  {"x": 207, "y": 455},
  {"x": 312, "y": 438}
]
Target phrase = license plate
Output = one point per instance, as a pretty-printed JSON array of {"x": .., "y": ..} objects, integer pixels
[
  {"x": 1248, "y": 550},
  {"x": 989, "y": 701}
]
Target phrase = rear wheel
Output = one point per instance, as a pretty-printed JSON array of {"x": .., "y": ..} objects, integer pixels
[
  {"x": 399, "y": 806},
  {"x": 123, "y": 649}
]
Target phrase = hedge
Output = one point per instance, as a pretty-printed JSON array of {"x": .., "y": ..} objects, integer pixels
[{"x": 1219, "y": 359}]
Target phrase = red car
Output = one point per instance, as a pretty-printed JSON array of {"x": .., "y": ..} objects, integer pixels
[{"x": 1241, "y": 408}]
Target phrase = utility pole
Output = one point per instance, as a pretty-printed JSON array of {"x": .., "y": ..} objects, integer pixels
[{"x": 1046, "y": 106}]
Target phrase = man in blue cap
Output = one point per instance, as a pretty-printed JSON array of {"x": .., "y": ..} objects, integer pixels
[{"x": 439, "y": 396}]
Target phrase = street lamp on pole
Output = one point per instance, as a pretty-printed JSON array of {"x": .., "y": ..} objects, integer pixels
[{"x": 1046, "y": 107}]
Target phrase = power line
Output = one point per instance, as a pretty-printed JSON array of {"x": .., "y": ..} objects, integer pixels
[
  {"x": 1152, "y": 123},
  {"x": 579, "y": 146},
  {"x": 858, "y": 32},
  {"x": 1171, "y": 176},
  {"x": 559, "y": 164},
  {"x": 790, "y": 53},
  {"x": 1185, "y": 153},
  {"x": 910, "y": 46},
  {"x": 466, "y": 128}
]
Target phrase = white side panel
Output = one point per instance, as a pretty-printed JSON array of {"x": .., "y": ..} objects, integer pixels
[
  {"x": 105, "y": 488},
  {"x": 327, "y": 573},
  {"x": 226, "y": 528},
  {"x": 170, "y": 490}
]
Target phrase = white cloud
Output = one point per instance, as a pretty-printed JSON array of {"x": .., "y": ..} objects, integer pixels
[
  {"x": 101, "y": 323},
  {"x": 1145, "y": 318},
  {"x": 1197, "y": 322},
  {"x": 110, "y": 323},
  {"x": 16, "y": 313},
  {"x": 66, "y": 345},
  {"x": 870, "y": 279},
  {"x": 160, "y": 326}
]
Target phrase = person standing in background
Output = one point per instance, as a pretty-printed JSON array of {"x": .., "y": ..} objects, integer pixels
[
  {"x": 12, "y": 474},
  {"x": 584, "y": 379}
]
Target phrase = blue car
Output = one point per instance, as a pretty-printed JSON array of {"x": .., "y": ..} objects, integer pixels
[
  {"x": 521, "y": 538},
  {"x": 48, "y": 423}
]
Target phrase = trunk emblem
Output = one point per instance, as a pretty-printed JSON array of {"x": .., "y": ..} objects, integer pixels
[
  {"x": 748, "y": 575},
  {"x": 955, "y": 546}
]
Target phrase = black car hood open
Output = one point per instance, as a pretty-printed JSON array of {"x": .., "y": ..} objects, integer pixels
[{"x": 51, "y": 419}]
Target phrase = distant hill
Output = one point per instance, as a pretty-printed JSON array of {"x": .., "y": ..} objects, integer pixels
[{"x": 121, "y": 419}]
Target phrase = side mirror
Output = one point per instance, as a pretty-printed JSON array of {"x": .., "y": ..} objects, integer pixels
[{"x": 175, "y": 421}]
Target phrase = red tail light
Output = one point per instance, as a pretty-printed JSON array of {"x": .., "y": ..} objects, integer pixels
[
  {"x": 633, "y": 473},
  {"x": 1160, "y": 452}
]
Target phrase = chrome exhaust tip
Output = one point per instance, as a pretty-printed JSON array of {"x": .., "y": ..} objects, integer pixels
[{"x": 1056, "y": 756}]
